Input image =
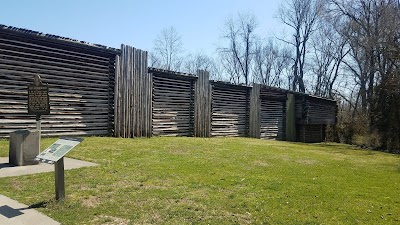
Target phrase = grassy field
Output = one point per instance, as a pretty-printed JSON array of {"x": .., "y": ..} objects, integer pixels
[{"x": 217, "y": 181}]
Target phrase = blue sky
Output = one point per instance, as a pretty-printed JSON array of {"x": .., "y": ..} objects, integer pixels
[{"x": 137, "y": 23}]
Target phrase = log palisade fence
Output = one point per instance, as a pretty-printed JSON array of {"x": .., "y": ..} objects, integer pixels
[
  {"x": 133, "y": 94},
  {"x": 95, "y": 90}
]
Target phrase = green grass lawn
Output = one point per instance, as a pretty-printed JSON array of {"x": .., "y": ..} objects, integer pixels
[{"x": 217, "y": 181}]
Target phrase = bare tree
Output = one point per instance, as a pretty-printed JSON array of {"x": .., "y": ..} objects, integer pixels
[
  {"x": 264, "y": 55},
  {"x": 373, "y": 33},
  {"x": 239, "y": 34},
  {"x": 167, "y": 50},
  {"x": 201, "y": 61},
  {"x": 154, "y": 60},
  {"x": 197, "y": 61},
  {"x": 301, "y": 16},
  {"x": 269, "y": 63},
  {"x": 282, "y": 66},
  {"x": 330, "y": 49},
  {"x": 372, "y": 26}
]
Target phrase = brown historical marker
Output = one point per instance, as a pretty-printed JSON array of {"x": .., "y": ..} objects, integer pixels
[{"x": 38, "y": 98}]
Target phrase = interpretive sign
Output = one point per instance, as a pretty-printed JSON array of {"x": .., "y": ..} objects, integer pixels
[
  {"x": 58, "y": 149},
  {"x": 38, "y": 98},
  {"x": 55, "y": 155}
]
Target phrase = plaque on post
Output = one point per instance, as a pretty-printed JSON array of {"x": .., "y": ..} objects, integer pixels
[
  {"x": 38, "y": 97},
  {"x": 55, "y": 155},
  {"x": 38, "y": 102}
]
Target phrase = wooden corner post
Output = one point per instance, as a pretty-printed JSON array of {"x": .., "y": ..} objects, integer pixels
[
  {"x": 255, "y": 111},
  {"x": 290, "y": 118},
  {"x": 202, "y": 105}
]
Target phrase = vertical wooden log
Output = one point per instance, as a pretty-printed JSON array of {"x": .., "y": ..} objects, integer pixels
[
  {"x": 132, "y": 94},
  {"x": 284, "y": 114},
  {"x": 116, "y": 97},
  {"x": 305, "y": 118},
  {"x": 150, "y": 105},
  {"x": 290, "y": 118},
  {"x": 202, "y": 105},
  {"x": 147, "y": 91},
  {"x": 255, "y": 112}
]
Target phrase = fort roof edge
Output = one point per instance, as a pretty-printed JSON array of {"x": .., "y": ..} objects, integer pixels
[{"x": 39, "y": 34}]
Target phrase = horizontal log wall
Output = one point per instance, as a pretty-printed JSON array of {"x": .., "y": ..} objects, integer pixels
[
  {"x": 133, "y": 92},
  {"x": 311, "y": 133},
  {"x": 273, "y": 119},
  {"x": 230, "y": 110},
  {"x": 80, "y": 80},
  {"x": 173, "y": 105},
  {"x": 321, "y": 111}
]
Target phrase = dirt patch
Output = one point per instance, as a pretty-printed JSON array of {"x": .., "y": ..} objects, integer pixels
[
  {"x": 91, "y": 201},
  {"x": 236, "y": 218},
  {"x": 176, "y": 151},
  {"x": 307, "y": 161},
  {"x": 16, "y": 185},
  {"x": 261, "y": 163},
  {"x": 110, "y": 220}
]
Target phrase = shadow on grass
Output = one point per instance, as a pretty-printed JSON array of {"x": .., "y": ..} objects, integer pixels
[
  {"x": 337, "y": 147},
  {"x": 347, "y": 149},
  {"x": 41, "y": 204}
]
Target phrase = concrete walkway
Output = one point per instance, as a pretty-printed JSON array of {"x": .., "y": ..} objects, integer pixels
[
  {"x": 7, "y": 170},
  {"x": 15, "y": 213}
]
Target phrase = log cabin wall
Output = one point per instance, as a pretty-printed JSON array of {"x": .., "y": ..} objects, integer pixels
[
  {"x": 80, "y": 78},
  {"x": 173, "y": 103},
  {"x": 230, "y": 110}
]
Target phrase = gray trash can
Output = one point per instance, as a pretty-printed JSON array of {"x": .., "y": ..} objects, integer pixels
[{"x": 24, "y": 147}]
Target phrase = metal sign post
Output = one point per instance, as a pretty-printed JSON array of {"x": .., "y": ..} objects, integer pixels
[
  {"x": 59, "y": 179},
  {"x": 55, "y": 155},
  {"x": 39, "y": 127}
]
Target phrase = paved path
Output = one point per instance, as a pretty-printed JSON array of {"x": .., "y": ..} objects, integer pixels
[
  {"x": 15, "y": 213},
  {"x": 7, "y": 170}
]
